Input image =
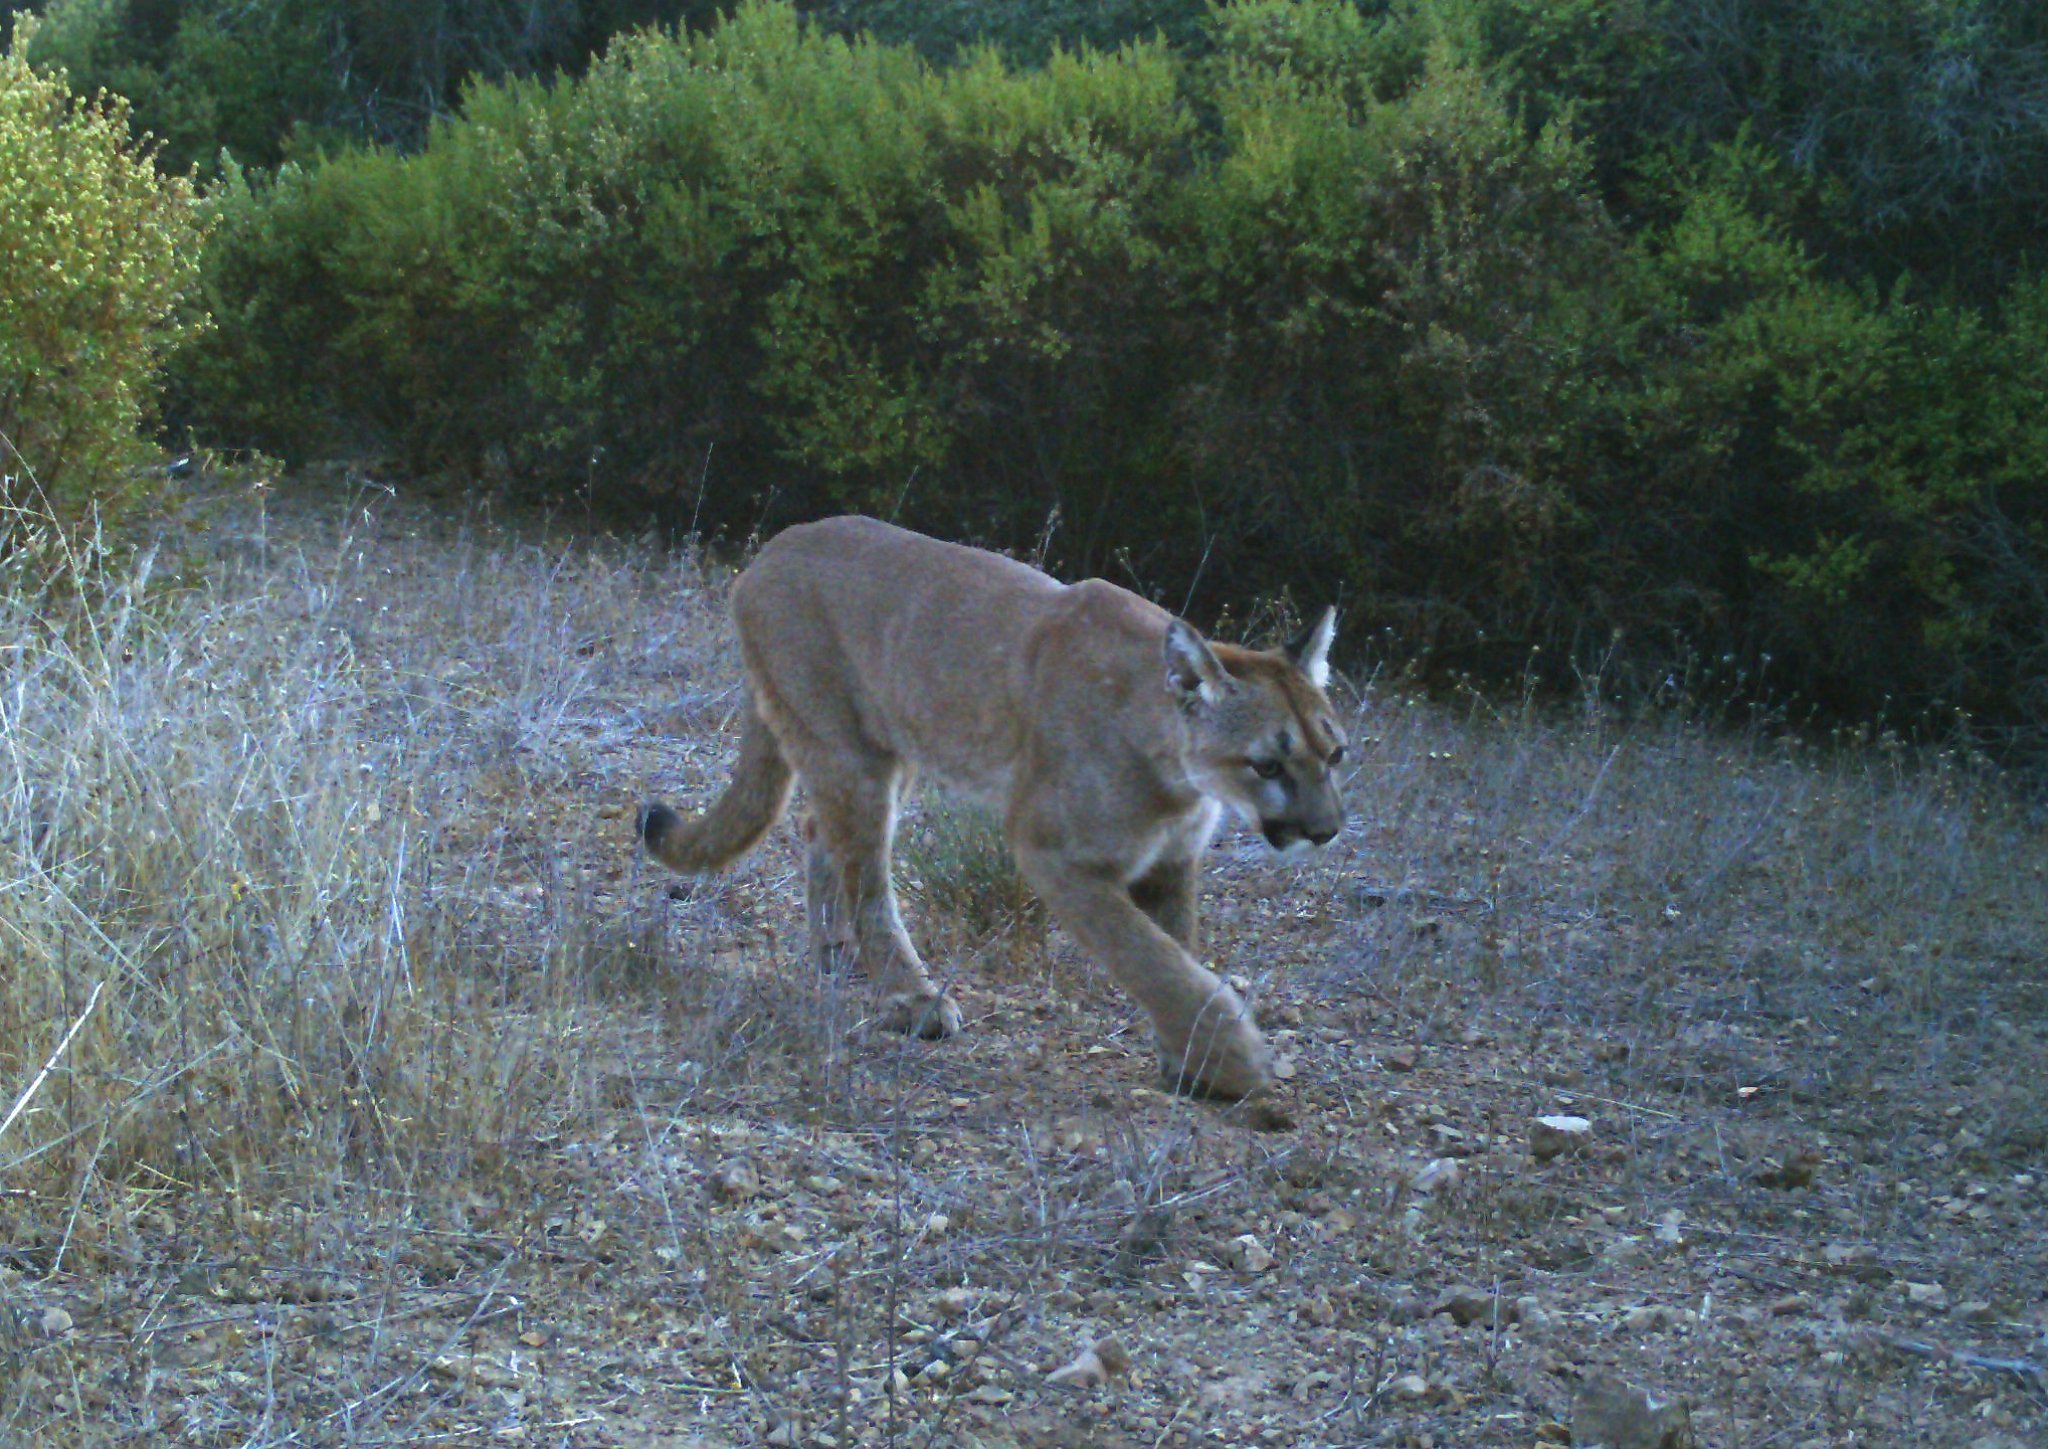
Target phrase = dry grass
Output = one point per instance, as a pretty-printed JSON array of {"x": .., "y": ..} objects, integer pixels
[
  {"x": 289, "y": 806},
  {"x": 412, "y": 1107}
]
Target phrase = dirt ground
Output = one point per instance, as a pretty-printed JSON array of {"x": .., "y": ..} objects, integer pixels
[{"x": 1800, "y": 1004}]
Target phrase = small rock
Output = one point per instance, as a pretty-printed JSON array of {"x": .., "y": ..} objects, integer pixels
[
  {"x": 1975, "y": 1310},
  {"x": 1531, "y": 1314},
  {"x": 1248, "y": 1255},
  {"x": 954, "y": 1302},
  {"x": 1857, "y": 1259},
  {"x": 1267, "y": 1112},
  {"x": 1789, "y": 1306},
  {"x": 1608, "y": 1412},
  {"x": 318, "y": 1288},
  {"x": 1310, "y": 1384},
  {"x": 1927, "y": 1295},
  {"x": 1413, "y": 1387},
  {"x": 990, "y": 1394},
  {"x": 1468, "y": 1305},
  {"x": 735, "y": 1181},
  {"x": 483, "y": 1372},
  {"x": 1795, "y": 1171},
  {"x": 1554, "y": 1136},
  {"x": 1400, "y": 1059},
  {"x": 1097, "y": 1364},
  {"x": 1436, "y": 1175}
]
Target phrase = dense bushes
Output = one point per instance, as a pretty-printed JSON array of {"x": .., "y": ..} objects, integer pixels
[
  {"x": 259, "y": 78},
  {"x": 1334, "y": 302},
  {"x": 97, "y": 255},
  {"x": 1924, "y": 122}
]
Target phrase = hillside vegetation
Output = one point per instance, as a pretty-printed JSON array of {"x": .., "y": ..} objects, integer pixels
[{"x": 1698, "y": 347}]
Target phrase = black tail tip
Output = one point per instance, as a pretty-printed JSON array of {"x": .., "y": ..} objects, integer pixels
[{"x": 653, "y": 822}]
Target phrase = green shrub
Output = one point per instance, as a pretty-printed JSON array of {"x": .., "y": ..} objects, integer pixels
[
  {"x": 97, "y": 258},
  {"x": 958, "y": 869},
  {"x": 1921, "y": 125},
  {"x": 265, "y": 79},
  {"x": 1336, "y": 306},
  {"x": 1391, "y": 298},
  {"x": 1027, "y": 32}
]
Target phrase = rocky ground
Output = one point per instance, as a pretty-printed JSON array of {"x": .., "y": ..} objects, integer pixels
[{"x": 1634, "y": 1067}]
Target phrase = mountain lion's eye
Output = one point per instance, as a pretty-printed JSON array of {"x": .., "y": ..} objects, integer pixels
[
  {"x": 1337, "y": 755},
  {"x": 1267, "y": 769}
]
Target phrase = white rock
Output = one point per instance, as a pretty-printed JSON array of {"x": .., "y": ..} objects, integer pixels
[
  {"x": 1437, "y": 1175},
  {"x": 1096, "y": 1364},
  {"x": 1248, "y": 1255},
  {"x": 735, "y": 1181},
  {"x": 1554, "y": 1136}
]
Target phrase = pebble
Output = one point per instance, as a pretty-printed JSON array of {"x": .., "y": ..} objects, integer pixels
[
  {"x": 735, "y": 1181},
  {"x": 1248, "y": 1255},
  {"x": 1468, "y": 1305}
]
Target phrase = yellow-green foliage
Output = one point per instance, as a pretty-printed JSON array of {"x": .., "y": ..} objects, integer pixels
[{"x": 97, "y": 255}]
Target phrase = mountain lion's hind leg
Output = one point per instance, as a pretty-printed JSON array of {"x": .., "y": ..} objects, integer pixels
[
  {"x": 833, "y": 943},
  {"x": 854, "y": 823}
]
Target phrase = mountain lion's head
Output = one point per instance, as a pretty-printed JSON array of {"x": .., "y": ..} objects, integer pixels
[{"x": 1264, "y": 738}]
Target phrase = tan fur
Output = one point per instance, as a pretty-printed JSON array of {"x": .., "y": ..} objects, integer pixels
[{"x": 1108, "y": 733}]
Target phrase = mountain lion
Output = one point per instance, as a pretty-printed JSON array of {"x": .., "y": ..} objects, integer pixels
[{"x": 1108, "y": 733}]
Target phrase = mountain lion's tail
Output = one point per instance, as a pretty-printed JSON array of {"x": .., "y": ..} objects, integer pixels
[{"x": 736, "y": 821}]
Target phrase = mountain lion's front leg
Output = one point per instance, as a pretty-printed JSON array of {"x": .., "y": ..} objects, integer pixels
[{"x": 1207, "y": 1041}]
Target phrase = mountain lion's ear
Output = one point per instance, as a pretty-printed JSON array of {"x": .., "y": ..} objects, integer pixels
[
  {"x": 1192, "y": 670},
  {"x": 1310, "y": 649}
]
